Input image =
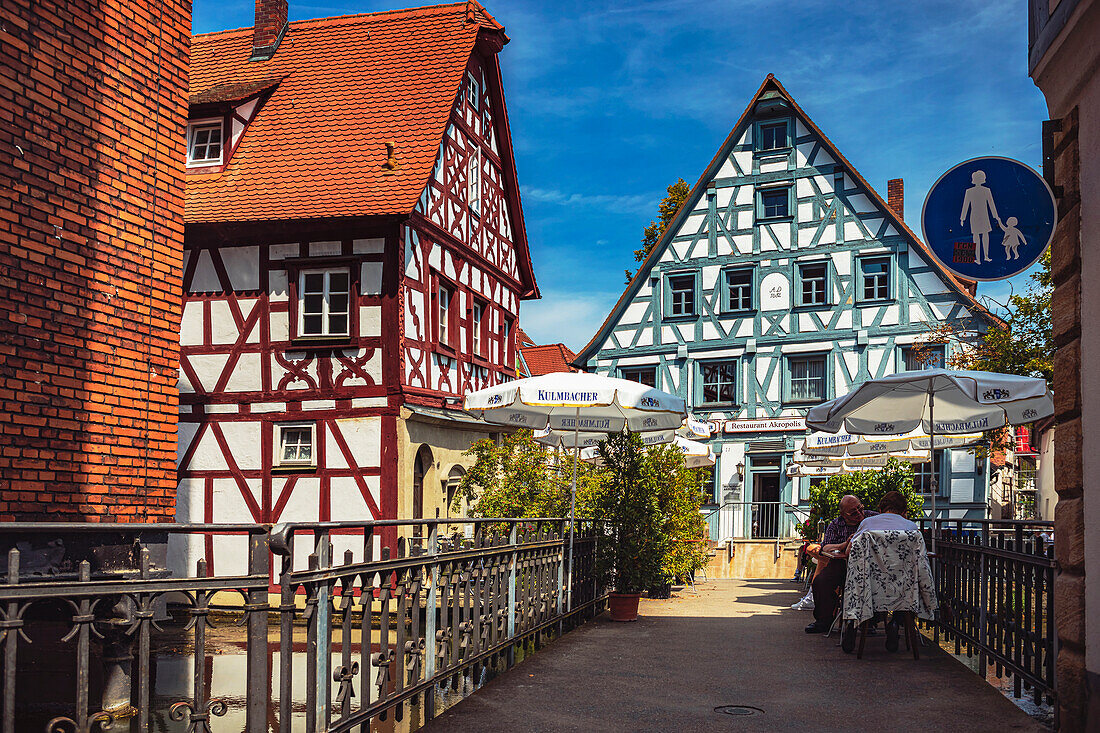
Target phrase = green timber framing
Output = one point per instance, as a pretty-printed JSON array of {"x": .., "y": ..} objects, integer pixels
[{"x": 833, "y": 218}]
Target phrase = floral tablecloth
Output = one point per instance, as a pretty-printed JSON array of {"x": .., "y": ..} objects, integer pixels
[{"x": 888, "y": 571}]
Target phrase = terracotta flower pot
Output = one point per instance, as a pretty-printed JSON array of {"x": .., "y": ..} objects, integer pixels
[{"x": 623, "y": 606}]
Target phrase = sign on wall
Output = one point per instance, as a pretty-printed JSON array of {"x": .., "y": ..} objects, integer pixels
[
  {"x": 764, "y": 425},
  {"x": 989, "y": 218}
]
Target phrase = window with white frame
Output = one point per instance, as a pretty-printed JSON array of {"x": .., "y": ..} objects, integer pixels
[
  {"x": 294, "y": 444},
  {"x": 718, "y": 380},
  {"x": 738, "y": 292},
  {"x": 444, "y": 314},
  {"x": 477, "y": 313},
  {"x": 204, "y": 142},
  {"x": 807, "y": 377},
  {"x": 813, "y": 281},
  {"x": 324, "y": 302},
  {"x": 473, "y": 90},
  {"x": 473, "y": 182},
  {"x": 876, "y": 278},
  {"x": 681, "y": 295}
]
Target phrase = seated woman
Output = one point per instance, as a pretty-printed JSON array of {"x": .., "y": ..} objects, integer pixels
[
  {"x": 893, "y": 510},
  {"x": 893, "y": 513}
]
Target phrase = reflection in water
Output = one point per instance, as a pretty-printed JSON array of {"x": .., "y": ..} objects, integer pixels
[{"x": 226, "y": 678}]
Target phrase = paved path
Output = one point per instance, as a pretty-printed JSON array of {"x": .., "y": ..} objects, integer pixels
[{"x": 735, "y": 643}]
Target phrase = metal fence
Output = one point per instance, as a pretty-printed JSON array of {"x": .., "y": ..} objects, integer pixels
[
  {"x": 995, "y": 582},
  {"x": 351, "y": 623},
  {"x": 757, "y": 520}
]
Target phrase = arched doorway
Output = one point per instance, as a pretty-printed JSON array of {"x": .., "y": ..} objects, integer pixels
[{"x": 421, "y": 465}]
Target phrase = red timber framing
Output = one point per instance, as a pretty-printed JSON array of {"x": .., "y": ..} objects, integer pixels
[{"x": 249, "y": 374}]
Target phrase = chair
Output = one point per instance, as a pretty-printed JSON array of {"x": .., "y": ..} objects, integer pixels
[{"x": 888, "y": 571}]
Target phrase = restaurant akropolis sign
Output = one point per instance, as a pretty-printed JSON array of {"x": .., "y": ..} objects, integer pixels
[{"x": 764, "y": 425}]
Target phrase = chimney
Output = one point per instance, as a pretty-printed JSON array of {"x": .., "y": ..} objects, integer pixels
[
  {"x": 895, "y": 196},
  {"x": 270, "y": 26}
]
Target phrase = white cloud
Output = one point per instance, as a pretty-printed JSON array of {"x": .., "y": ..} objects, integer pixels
[
  {"x": 620, "y": 203},
  {"x": 566, "y": 317}
]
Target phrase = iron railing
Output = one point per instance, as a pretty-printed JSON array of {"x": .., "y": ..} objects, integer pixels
[
  {"x": 995, "y": 582},
  {"x": 393, "y": 612},
  {"x": 759, "y": 520}
]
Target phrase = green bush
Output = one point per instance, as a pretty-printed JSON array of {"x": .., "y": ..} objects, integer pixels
[
  {"x": 867, "y": 486},
  {"x": 649, "y": 496}
]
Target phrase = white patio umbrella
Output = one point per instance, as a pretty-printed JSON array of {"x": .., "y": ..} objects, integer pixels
[
  {"x": 580, "y": 402},
  {"x": 938, "y": 402},
  {"x": 696, "y": 454},
  {"x": 848, "y": 444}
]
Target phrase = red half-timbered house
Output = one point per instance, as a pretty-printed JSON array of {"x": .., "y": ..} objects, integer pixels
[{"x": 355, "y": 258}]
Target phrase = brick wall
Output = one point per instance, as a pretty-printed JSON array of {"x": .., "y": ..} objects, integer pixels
[
  {"x": 1069, "y": 530},
  {"x": 93, "y": 97}
]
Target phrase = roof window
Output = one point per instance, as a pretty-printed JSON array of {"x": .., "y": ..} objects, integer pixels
[{"x": 204, "y": 142}]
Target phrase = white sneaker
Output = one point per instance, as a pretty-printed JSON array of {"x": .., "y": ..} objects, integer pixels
[{"x": 806, "y": 604}]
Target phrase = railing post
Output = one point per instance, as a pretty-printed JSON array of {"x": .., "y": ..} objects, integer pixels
[
  {"x": 561, "y": 578},
  {"x": 259, "y": 676},
  {"x": 11, "y": 642},
  {"x": 983, "y": 598},
  {"x": 430, "y": 623},
  {"x": 513, "y": 540},
  {"x": 319, "y": 641}
]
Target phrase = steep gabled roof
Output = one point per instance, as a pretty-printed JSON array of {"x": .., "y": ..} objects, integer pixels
[
  {"x": 347, "y": 86},
  {"x": 770, "y": 84}
]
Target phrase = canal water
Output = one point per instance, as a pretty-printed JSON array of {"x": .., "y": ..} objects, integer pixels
[{"x": 47, "y": 681}]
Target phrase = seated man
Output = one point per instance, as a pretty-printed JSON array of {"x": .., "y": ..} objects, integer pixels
[{"x": 831, "y": 577}]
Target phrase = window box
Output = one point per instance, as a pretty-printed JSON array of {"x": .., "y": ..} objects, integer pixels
[{"x": 295, "y": 446}]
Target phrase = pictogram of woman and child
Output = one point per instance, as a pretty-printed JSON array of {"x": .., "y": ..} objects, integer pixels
[{"x": 978, "y": 202}]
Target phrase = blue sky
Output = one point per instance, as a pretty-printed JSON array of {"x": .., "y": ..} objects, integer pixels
[{"x": 610, "y": 102}]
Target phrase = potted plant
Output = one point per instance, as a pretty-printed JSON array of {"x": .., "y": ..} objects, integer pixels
[{"x": 629, "y": 559}]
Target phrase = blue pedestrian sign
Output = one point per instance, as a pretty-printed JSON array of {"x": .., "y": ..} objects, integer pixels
[{"x": 989, "y": 218}]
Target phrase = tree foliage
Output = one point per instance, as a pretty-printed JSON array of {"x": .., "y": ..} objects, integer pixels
[
  {"x": 677, "y": 194},
  {"x": 1023, "y": 346},
  {"x": 867, "y": 486},
  {"x": 648, "y": 497},
  {"x": 522, "y": 478}
]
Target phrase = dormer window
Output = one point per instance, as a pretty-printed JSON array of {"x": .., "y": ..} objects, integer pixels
[{"x": 204, "y": 142}]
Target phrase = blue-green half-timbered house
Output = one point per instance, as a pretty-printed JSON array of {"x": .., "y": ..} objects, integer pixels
[{"x": 784, "y": 280}]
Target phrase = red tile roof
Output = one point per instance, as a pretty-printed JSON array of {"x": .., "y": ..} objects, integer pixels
[
  {"x": 346, "y": 86},
  {"x": 523, "y": 340},
  {"x": 548, "y": 359}
]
